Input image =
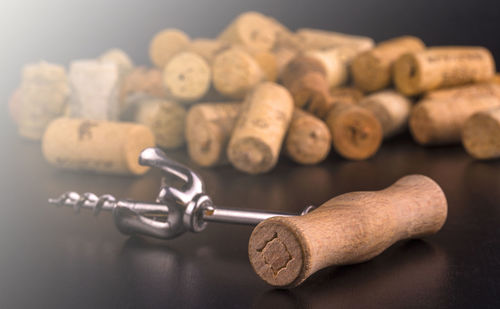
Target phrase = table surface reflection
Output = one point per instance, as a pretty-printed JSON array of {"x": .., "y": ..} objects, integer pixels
[{"x": 51, "y": 257}]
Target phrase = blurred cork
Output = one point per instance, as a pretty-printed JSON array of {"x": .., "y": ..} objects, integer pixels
[
  {"x": 167, "y": 121},
  {"x": 438, "y": 122},
  {"x": 440, "y": 67},
  {"x": 315, "y": 39},
  {"x": 42, "y": 97},
  {"x": 95, "y": 86},
  {"x": 481, "y": 134},
  {"x": 308, "y": 139},
  {"x": 208, "y": 129},
  {"x": 120, "y": 59},
  {"x": 391, "y": 109},
  {"x": 97, "y": 146},
  {"x": 372, "y": 70},
  {"x": 356, "y": 132},
  {"x": 256, "y": 140},
  {"x": 165, "y": 45},
  {"x": 235, "y": 72}
]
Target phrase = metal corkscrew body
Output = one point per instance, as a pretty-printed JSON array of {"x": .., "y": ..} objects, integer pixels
[{"x": 176, "y": 210}]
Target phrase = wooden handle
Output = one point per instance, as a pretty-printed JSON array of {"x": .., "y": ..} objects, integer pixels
[{"x": 350, "y": 228}]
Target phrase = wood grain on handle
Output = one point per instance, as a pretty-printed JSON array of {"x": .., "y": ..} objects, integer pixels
[{"x": 350, "y": 228}]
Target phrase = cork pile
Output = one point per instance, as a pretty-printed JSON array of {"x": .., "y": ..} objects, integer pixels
[{"x": 256, "y": 91}]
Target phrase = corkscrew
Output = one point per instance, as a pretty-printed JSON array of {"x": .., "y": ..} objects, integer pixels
[{"x": 176, "y": 210}]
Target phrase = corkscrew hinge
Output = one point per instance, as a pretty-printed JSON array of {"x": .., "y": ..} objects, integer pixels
[{"x": 176, "y": 210}]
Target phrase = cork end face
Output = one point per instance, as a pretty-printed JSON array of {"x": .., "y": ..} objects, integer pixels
[
  {"x": 481, "y": 136},
  {"x": 187, "y": 77},
  {"x": 407, "y": 75},
  {"x": 251, "y": 155},
  {"x": 421, "y": 124},
  {"x": 276, "y": 254},
  {"x": 256, "y": 31},
  {"x": 369, "y": 74},
  {"x": 356, "y": 134},
  {"x": 165, "y": 44},
  {"x": 139, "y": 138}
]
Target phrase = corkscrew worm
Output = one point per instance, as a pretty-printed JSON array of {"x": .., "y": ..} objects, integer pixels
[{"x": 176, "y": 210}]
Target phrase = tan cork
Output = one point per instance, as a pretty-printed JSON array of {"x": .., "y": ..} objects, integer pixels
[
  {"x": 439, "y": 122},
  {"x": 139, "y": 84},
  {"x": 283, "y": 56},
  {"x": 305, "y": 78},
  {"x": 268, "y": 63},
  {"x": 235, "y": 72},
  {"x": 208, "y": 129},
  {"x": 207, "y": 48},
  {"x": 314, "y": 39},
  {"x": 356, "y": 132},
  {"x": 168, "y": 124},
  {"x": 43, "y": 95},
  {"x": 256, "y": 140},
  {"x": 479, "y": 89},
  {"x": 187, "y": 77},
  {"x": 391, "y": 109},
  {"x": 308, "y": 140},
  {"x": 372, "y": 70},
  {"x": 165, "y": 45},
  {"x": 252, "y": 30},
  {"x": 440, "y": 67},
  {"x": 97, "y": 146},
  {"x": 348, "y": 229},
  {"x": 335, "y": 67},
  {"x": 345, "y": 95},
  {"x": 95, "y": 86},
  {"x": 481, "y": 134},
  {"x": 119, "y": 58}
]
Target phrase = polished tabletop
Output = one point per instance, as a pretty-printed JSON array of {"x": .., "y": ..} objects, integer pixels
[{"x": 52, "y": 257}]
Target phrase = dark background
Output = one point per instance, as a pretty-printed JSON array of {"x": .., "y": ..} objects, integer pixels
[{"x": 52, "y": 258}]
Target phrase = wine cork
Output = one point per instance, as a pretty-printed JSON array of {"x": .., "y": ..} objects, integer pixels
[
  {"x": 207, "y": 48},
  {"x": 187, "y": 77},
  {"x": 440, "y": 67},
  {"x": 335, "y": 68},
  {"x": 372, "y": 70},
  {"x": 268, "y": 63},
  {"x": 308, "y": 140},
  {"x": 252, "y": 30},
  {"x": 283, "y": 57},
  {"x": 344, "y": 95},
  {"x": 119, "y": 58},
  {"x": 146, "y": 111},
  {"x": 235, "y": 72},
  {"x": 208, "y": 129},
  {"x": 138, "y": 85},
  {"x": 481, "y": 134},
  {"x": 391, "y": 109},
  {"x": 97, "y": 146},
  {"x": 165, "y": 45},
  {"x": 439, "y": 122},
  {"x": 356, "y": 132},
  {"x": 256, "y": 140},
  {"x": 474, "y": 90},
  {"x": 42, "y": 97},
  {"x": 305, "y": 78},
  {"x": 496, "y": 79},
  {"x": 168, "y": 125},
  {"x": 313, "y": 39},
  {"x": 94, "y": 90}
]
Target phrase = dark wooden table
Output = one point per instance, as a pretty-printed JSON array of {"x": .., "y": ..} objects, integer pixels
[{"x": 52, "y": 258}]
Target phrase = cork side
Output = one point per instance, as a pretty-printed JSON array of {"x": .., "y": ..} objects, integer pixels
[
  {"x": 422, "y": 124},
  {"x": 204, "y": 139},
  {"x": 276, "y": 253},
  {"x": 139, "y": 137}
]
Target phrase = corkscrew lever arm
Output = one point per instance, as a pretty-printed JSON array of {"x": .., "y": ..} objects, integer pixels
[{"x": 176, "y": 210}]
